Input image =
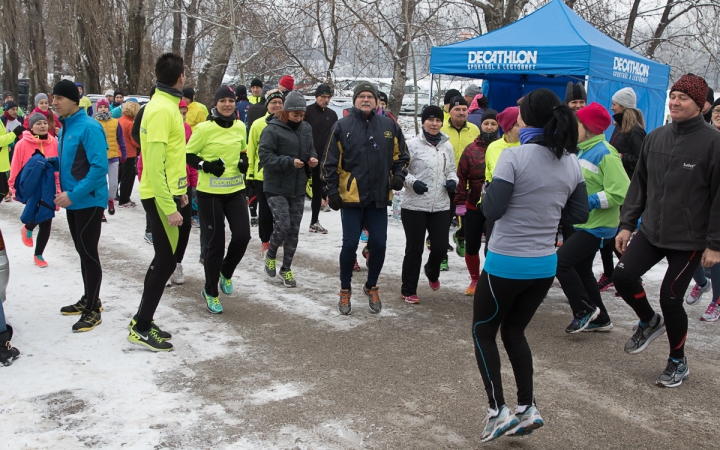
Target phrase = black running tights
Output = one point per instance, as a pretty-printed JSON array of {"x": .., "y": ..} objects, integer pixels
[
  {"x": 85, "y": 226},
  {"x": 43, "y": 235},
  {"x": 509, "y": 305},
  {"x": 317, "y": 194},
  {"x": 265, "y": 217}
]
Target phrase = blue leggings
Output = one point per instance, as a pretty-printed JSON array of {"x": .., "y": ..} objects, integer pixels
[{"x": 700, "y": 278}]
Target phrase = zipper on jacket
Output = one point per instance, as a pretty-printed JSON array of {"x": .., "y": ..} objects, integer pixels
[{"x": 665, "y": 186}]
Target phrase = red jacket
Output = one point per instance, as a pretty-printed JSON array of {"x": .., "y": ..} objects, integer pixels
[{"x": 471, "y": 174}]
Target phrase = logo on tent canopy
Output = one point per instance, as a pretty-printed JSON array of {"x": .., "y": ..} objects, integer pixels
[
  {"x": 631, "y": 70},
  {"x": 502, "y": 60}
]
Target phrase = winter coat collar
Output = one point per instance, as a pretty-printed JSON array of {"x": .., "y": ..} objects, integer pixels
[{"x": 690, "y": 125}]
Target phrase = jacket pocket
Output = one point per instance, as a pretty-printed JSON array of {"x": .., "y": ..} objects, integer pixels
[{"x": 348, "y": 183}]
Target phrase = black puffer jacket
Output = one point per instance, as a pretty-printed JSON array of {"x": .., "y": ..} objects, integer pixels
[
  {"x": 628, "y": 145},
  {"x": 279, "y": 147},
  {"x": 676, "y": 187}
]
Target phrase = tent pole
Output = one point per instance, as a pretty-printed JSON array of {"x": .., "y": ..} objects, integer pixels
[{"x": 432, "y": 80}]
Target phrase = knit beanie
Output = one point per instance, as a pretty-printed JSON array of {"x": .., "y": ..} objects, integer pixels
[
  {"x": 42, "y": 96},
  {"x": 109, "y": 93},
  {"x": 223, "y": 91},
  {"x": 382, "y": 97},
  {"x": 9, "y": 105},
  {"x": 472, "y": 91},
  {"x": 287, "y": 82},
  {"x": 489, "y": 114},
  {"x": 182, "y": 104},
  {"x": 189, "y": 92},
  {"x": 67, "y": 89},
  {"x": 508, "y": 118},
  {"x": 241, "y": 92},
  {"x": 575, "y": 91},
  {"x": 273, "y": 94},
  {"x": 256, "y": 82},
  {"x": 102, "y": 102},
  {"x": 625, "y": 97},
  {"x": 364, "y": 86},
  {"x": 116, "y": 93},
  {"x": 35, "y": 118},
  {"x": 693, "y": 86},
  {"x": 710, "y": 96},
  {"x": 432, "y": 112},
  {"x": 595, "y": 118},
  {"x": 294, "y": 102},
  {"x": 458, "y": 100},
  {"x": 323, "y": 89},
  {"x": 449, "y": 95}
]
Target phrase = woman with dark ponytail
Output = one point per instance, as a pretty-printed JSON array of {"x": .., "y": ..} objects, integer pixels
[{"x": 533, "y": 186}]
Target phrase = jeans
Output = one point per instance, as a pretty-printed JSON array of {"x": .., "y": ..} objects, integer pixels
[{"x": 375, "y": 221}]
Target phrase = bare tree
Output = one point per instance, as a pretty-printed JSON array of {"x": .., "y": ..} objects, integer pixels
[
  {"x": 134, "y": 48},
  {"x": 11, "y": 57},
  {"x": 36, "y": 40}
]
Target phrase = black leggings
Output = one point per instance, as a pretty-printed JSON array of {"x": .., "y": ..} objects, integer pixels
[
  {"x": 415, "y": 224},
  {"x": 214, "y": 209},
  {"x": 127, "y": 180},
  {"x": 510, "y": 305},
  {"x": 606, "y": 254},
  {"x": 474, "y": 223},
  {"x": 165, "y": 242},
  {"x": 575, "y": 274},
  {"x": 85, "y": 226},
  {"x": 185, "y": 228},
  {"x": 43, "y": 235},
  {"x": 317, "y": 194},
  {"x": 265, "y": 217},
  {"x": 640, "y": 257}
]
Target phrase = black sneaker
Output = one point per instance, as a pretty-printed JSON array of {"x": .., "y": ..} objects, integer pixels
[
  {"x": 164, "y": 335},
  {"x": 149, "y": 339},
  {"x": 8, "y": 353},
  {"x": 579, "y": 324},
  {"x": 644, "y": 336},
  {"x": 77, "y": 308},
  {"x": 675, "y": 373},
  {"x": 87, "y": 322}
]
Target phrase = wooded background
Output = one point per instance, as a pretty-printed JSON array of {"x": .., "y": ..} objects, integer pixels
[{"x": 112, "y": 44}]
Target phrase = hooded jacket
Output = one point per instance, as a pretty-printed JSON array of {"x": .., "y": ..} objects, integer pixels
[
  {"x": 433, "y": 166},
  {"x": 196, "y": 113},
  {"x": 37, "y": 189},
  {"x": 675, "y": 187},
  {"x": 363, "y": 154},
  {"x": 25, "y": 149},
  {"x": 279, "y": 147},
  {"x": 471, "y": 174},
  {"x": 53, "y": 130}
]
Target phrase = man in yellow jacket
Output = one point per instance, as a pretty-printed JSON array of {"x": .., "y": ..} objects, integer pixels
[{"x": 197, "y": 112}]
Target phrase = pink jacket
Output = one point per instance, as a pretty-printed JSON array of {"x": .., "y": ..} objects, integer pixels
[{"x": 25, "y": 148}]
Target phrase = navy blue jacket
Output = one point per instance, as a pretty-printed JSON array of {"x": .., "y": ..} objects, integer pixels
[{"x": 36, "y": 188}]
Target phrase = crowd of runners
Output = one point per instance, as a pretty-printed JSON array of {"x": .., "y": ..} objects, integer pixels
[{"x": 538, "y": 183}]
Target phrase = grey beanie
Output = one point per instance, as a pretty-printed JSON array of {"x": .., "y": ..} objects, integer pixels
[
  {"x": 625, "y": 97},
  {"x": 36, "y": 118},
  {"x": 265, "y": 89},
  {"x": 294, "y": 101},
  {"x": 39, "y": 97},
  {"x": 472, "y": 91}
]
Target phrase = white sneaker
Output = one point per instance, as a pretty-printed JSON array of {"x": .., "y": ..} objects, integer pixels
[
  {"x": 497, "y": 423},
  {"x": 317, "y": 228},
  {"x": 529, "y": 420},
  {"x": 697, "y": 293},
  {"x": 711, "y": 314},
  {"x": 177, "y": 276}
]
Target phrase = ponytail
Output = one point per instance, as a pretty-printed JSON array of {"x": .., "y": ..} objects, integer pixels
[{"x": 561, "y": 131}]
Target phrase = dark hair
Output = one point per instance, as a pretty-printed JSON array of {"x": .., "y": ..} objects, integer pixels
[
  {"x": 168, "y": 68},
  {"x": 542, "y": 108}
]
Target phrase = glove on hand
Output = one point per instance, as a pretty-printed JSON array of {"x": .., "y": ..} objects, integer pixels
[
  {"x": 397, "y": 182},
  {"x": 243, "y": 163},
  {"x": 335, "y": 202},
  {"x": 450, "y": 185},
  {"x": 460, "y": 210},
  {"x": 216, "y": 168},
  {"x": 19, "y": 130},
  {"x": 419, "y": 187}
]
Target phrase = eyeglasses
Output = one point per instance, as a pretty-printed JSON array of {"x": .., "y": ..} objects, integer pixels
[
  {"x": 716, "y": 111},
  {"x": 366, "y": 97}
]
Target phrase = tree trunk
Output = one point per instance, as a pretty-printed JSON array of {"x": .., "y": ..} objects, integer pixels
[
  {"x": 400, "y": 59},
  {"x": 177, "y": 27},
  {"x": 497, "y": 14},
  {"x": 631, "y": 23},
  {"x": 11, "y": 57},
  {"x": 89, "y": 44},
  {"x": 190, "y": 41},
  {"x": 212, "y": 74},
  {"x": 134, "y": 47},
  {"x": 36, "y": 39}
]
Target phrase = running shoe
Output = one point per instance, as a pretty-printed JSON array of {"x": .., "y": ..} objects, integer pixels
[
  {"x": 644, "y": 336},
  {"x": 317, "y": 228},
  {"x": 470, "y": 291},
  {"x": 195, "y": 222},
  {"x": 177, "y": 276},
  {"x": 111, "y": 207},
  {"x": 8, "y": 353},
  {"x": 270, "y": 267},
  {"x": 498, "y": 422},
  {"x": 149, "y": 339},
  {"x": 373, "y": 295},
  {"x": 8, "y": 197},
  {"x": 164, "y": 335},
  {"x": 412, "y": 299},
  {"x": 459, "y": 245},
  {"x": 39, "y": 261},
  {"x": 265, "y": 248},
  {"x": 605, "y": 283},
  {"x": 697, "y": 293},
  {"x": 599, "y": 327},
  {"x": 325, "y": 208},
  {"x": 128, "y": 205},
  {"x": 253, "y": 222},
  {"x": 77, "y": 308},
  {"x": 711, "y": 314},
  {"x": 579, "y": 324},
  {"x": 87, "y": 321},
  {"x": 26, "y": 236},
  {"x": 356, "y": 268},
  {"x": 444, "y": 267},
  {"x": 148, "y": 238},
  {"x": 213, "y": 303},
  {"x": 529, "y": 420},
  {"x": 288, "y": 278},
  {"x": 344, "y": 304},
  {"x": 226, "y": 285},
  {"x": 675, "y": 373},
  {"x": 434, "y": 285}
]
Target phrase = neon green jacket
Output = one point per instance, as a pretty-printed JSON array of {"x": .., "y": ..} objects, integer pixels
[
  {"x": 492, "y": 154},
  {"x": 460, "y": 138},
  {"x": 254, "y": 171},
  {"x": 210, "y": 141}
]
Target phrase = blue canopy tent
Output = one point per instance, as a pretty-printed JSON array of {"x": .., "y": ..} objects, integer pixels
[{"x": 548, "y": 48}]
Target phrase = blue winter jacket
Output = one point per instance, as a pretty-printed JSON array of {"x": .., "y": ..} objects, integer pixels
[
  {"x": 82, "y": 152},
  {"x": 36, "y": 188}
]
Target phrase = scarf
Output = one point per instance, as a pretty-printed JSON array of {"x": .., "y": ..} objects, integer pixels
[
  {"x": 293, "y": 125},
  {"x": 433, "y": 139},
  {"x": 223, "y": 121},
  {"x": 488, "y": 137},
  {"x": 526, "y": 134},
  {"x": 168, "y": 90},
  {"x": 103, "y": 116},
  {"x": 9, "y": 117},
  {"x": 42, "y": 137}
]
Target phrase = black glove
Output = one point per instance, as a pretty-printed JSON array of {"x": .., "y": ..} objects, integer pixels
[
  {"x": 216, "y": 168},
  {"x": 335, "y": 202},
  {"x": 397, "y": 182},
  {"x": 243, "y": 163},
  {"x": 450, "y": 185},
  {"x": 19, "y": 130},
  {"x": 419, "y": 187}
]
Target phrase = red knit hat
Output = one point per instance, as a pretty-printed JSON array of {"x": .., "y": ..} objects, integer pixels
[
  {"x": 595, "y": 118},
  {"x": 288, "y": 82},
  {"x": 507, "y": 118},
  {"x": 693, "y": 86}
]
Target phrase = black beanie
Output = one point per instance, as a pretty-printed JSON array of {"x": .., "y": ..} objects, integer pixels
[
  {"x": 223, "y": 91},
  {"x": 432, "y": 112},
  {"x": 256, "y": 82},
  {"x": 189, "y": 92},
  {"x": 116, "y": 93},
  {"x": 449, "y": 95},
  {"x": 575, "y": 92},
  {"x": 489, "y": 114},
  {"x": 9, "y": 105},
  {"x": 483, "y": 102},
  {"x": 241, "y": 92},
  {"x": 538, "y": 107},
  {"x": 711, "y": 95},
  {"x": 67, "y": 89},
  {"x": 383, "y": 97},
  {"x": 323, "y": 89},
  {"x": 458, "y": 100}
]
